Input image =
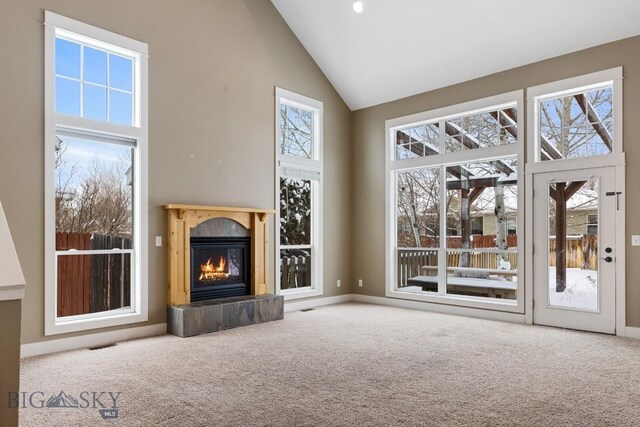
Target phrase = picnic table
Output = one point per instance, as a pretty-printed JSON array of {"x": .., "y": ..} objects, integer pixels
[
  {"x": 468, "y": 286},
  {"x": 489, "y": 271}
]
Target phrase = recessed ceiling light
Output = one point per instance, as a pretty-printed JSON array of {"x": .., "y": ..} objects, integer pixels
[{"x": 358, "y": 6}]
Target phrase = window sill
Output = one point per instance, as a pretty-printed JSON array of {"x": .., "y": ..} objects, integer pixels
[
  {"x": 291, "y": 294},
  {"x": 86, "y": 323},
  {"x": 510, "y": 306}
]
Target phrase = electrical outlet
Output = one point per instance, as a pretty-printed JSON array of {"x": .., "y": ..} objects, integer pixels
[
  {"x": 158, "y": 241},
  {"x": 338, "y": 283},
  {"x": 635, "y": 240},
  {"x": 360, "y": 283}
]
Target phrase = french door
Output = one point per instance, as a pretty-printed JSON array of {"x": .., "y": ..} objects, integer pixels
[{"x": 575, "y": 254}]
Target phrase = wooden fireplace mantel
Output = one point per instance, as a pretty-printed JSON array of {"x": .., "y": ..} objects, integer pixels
[{"x": 182, "y": 218}]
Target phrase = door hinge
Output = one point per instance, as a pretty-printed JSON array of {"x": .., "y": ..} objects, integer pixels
[{"x": 533, "y": 249}]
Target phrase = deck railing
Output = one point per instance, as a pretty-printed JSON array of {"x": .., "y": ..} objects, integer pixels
[{"x": 582, "y": 252}]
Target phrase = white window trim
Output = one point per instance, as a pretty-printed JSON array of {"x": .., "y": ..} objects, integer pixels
[
  {"x": 612, "y": 77},
  {"x": 87, "y": 34},
  {"x": 309, "y": 169},
  {"x": 443, "y": 160}
]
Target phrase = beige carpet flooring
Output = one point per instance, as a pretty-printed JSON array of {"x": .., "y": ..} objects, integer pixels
[{"x": 353, "y": 364}]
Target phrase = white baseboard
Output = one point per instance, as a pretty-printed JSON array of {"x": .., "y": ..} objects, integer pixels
[
  {"x": 441, "y": 308},
  {"x": 632, "y": 332},
  {"x": 315, "y": 302},
  {"x": 91, "y": 340}
]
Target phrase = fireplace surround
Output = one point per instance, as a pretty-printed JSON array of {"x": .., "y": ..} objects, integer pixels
[{"x": 183, "y": 220}]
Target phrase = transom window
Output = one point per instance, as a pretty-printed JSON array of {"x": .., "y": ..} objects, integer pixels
[
  {"x": 297, "y": 129},
  {"x": 92, "y": 82},
  {"x": 95, "y": 177},
  {"x": 458, "y": 133},
  {"x": 576, "y": 123}
]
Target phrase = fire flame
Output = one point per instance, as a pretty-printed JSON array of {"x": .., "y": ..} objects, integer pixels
[{"x": 209, "y": 271}]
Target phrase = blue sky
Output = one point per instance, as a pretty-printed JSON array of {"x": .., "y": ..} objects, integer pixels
[{"x": 103, "y": 80}]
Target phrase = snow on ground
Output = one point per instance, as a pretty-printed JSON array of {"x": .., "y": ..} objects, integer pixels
[{"x": 581, "y": 291}]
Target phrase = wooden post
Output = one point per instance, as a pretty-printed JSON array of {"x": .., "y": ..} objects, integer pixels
[
  {"x": 561, "y": 237},
  {"x": 465, "y": 221}
]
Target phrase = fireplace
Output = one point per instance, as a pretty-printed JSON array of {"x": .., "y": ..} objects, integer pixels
[
  {"x": 215, "y": 252},
  {"x": 242, "y": 227},
  {"x": 220, "y": 267}
]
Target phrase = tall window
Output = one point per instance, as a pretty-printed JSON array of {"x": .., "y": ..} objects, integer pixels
[
  {"x": 452, "y": 194},
  {"x": 298, "y": 195},
  {"x": 95, "y": 177}
]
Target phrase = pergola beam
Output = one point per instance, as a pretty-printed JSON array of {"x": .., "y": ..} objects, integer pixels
[
  {"x": 475, "y": 193},
  {"x": 471, "y": 142},
  {"x": 594, "y": 119},
  {"x": 571, "y": 189},
  {"x": 480, "y": 182},
  {"x": 548, "y": 152}
]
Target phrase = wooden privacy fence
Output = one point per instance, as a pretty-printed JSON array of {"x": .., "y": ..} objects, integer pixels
[
  {"x": 477, "y": 241},
  {"x": 295, "y": 271},
  {"x": 582, "y": 252},
  {"x": 95, "y": 282}
]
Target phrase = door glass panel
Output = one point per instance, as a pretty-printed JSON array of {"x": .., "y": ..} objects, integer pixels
[{"x": 573, "y": 244}]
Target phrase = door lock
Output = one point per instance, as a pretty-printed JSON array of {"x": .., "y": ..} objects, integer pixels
[{"x": 608, "y": 250}]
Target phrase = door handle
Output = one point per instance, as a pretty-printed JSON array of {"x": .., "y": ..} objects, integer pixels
[{"x": 607, "y": 259}]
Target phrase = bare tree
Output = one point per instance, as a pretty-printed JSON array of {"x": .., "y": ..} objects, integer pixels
[{"x": 96, "y": 199}]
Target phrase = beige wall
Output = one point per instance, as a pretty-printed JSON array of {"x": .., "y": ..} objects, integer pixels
[
  {"x": 213, "y": 67},
  {"x": 9, "y": 359},
  {"x": 368, "y": 179}
]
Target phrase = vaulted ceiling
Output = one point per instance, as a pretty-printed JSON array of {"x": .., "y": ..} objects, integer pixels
[{"x": 398, "y": 48}]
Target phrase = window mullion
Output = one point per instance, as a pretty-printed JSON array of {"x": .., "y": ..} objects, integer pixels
[{"x": 442, "y": 251}]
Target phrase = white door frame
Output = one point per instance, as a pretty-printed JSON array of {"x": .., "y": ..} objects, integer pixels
[
  {"x": 603, "y": 318},
  {"x": 620, "y": 243}
]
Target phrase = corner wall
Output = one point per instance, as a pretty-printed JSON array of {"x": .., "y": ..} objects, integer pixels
[
  {"x": 213, "y": 69},
  {"x": 368, "y": 176},
  {"x": 9, "y": 359}
]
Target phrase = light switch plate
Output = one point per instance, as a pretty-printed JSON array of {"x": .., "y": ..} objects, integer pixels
[
  {"x": 635, "y": 240},
  {"x": 158, "y": 241}
]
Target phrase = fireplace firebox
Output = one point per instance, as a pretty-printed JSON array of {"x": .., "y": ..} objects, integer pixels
[{"x": 220, "y": 267}]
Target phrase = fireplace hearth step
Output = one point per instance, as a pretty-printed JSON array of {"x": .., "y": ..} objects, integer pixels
[{"x": 203, "y": 317}]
